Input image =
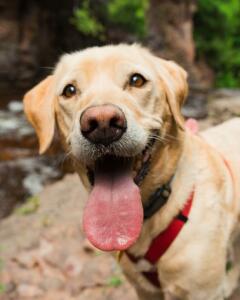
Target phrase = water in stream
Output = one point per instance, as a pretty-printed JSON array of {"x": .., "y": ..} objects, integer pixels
[{"x": 22, "y": 172}]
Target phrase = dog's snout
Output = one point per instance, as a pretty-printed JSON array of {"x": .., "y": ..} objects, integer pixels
[{"x": 103, "y": 124}]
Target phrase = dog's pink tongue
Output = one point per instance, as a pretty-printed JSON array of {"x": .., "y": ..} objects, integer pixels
[{"x": 113, "y": 216}]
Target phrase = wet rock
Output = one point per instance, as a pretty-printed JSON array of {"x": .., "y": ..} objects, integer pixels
[
  {"x": 223, "y": 105},
  {"x": 22, "y": 178},
  {"x": 196, "y": 106},
  {"x": 17, "y": 138},
  {"x": 225, "y": 93},
  {"x": 15, "y": 106},
  {"x": 22, "y": 172}
]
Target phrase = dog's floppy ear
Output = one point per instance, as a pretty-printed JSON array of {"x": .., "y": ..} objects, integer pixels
[
  {"x": 39, "y": 109},
  {"x": 174, "y": 78}
]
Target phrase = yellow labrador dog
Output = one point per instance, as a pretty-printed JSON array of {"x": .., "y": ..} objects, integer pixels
[{"x": 166, "y": 199}]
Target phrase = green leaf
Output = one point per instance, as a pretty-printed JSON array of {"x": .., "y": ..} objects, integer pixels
[
  {"x": 114, "y": 281},
  {"x": 30, "y": 206},
  {"x": 1, "y": 264},
  {"x": 2, "y": 288}
]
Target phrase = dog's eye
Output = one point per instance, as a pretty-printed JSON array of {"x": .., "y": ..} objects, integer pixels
[
  {"x": 137, "y": 80},
  {"x": 69, "y": 91}
]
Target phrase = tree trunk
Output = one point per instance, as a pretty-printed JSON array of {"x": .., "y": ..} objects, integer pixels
[
  {"x": 171, "y": 36},
  {"x": 32, "y": 36}
]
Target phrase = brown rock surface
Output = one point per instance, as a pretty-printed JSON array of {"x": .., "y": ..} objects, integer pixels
[{"x": 45, "y": 256}]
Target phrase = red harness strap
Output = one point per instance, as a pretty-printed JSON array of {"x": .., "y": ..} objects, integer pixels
[{"x": 163, "y": 241}]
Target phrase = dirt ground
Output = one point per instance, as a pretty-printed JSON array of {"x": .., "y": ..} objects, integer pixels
[
  {"x": 45, "y": 256},
  {"x": 43, "y": 253}
]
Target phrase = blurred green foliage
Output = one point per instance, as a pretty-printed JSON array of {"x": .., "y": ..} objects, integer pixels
[
  {"x": 125, "y": 14},
  {"x": 217, "y": 29},
  {"x": 85, "y": 21},
  {"x": 130, "y": 15},
  {"x": 217, "y": 36}
]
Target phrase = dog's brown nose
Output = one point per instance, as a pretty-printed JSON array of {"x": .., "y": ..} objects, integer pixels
[{"x": 103, "y": 124}]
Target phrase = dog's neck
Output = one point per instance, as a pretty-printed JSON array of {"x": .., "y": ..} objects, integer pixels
[{"x": 163, "y": 165}]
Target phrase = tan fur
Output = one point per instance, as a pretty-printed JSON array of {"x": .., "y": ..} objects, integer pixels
[
  {"x": 193, "y": 268},
  {"x": 39, "y": 108}
]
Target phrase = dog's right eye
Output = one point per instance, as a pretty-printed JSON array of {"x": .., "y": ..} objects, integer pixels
[
  {"x": 137, "y": 80},
  {"x": 69, "y": 91}
]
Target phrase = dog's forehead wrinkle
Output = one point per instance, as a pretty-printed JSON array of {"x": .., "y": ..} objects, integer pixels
[
  {"x": 101, "y": 84},
  {"x": 131, "y": 59}
]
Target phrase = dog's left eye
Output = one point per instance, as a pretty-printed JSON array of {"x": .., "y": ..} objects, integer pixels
[
  {"x": 69, "y": 91},
  {"x": 137, "y": 80}
]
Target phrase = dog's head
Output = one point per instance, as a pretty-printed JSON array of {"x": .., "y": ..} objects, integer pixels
[{"x": 111, "y": 104}]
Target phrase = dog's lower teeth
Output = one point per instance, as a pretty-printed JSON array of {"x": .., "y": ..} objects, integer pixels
[{"x": 146, "y": 156}]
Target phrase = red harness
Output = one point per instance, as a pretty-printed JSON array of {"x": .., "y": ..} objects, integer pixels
[{"x": 163, "y": 241}]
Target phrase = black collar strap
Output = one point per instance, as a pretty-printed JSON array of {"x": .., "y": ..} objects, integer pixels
[
  {"x": 146, "y": 165},
  {"x": 160, "y": 196},
  {"x": 157, "y": 200},
  {"x": 143, "y": 172}
]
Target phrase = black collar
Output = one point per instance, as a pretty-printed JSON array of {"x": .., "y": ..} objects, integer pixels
[{"x": 157, "y": 199}]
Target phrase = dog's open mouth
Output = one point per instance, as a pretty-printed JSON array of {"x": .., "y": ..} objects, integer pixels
[{"x": 113, "y": 215}]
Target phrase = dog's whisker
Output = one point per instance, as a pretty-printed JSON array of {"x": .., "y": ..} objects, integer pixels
[
  {"x": 159, "y": 138},
  {"x": 172, "y": 137},
  {"x": 64, "y": 158},
  {"x": 47, "y": 68}
]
